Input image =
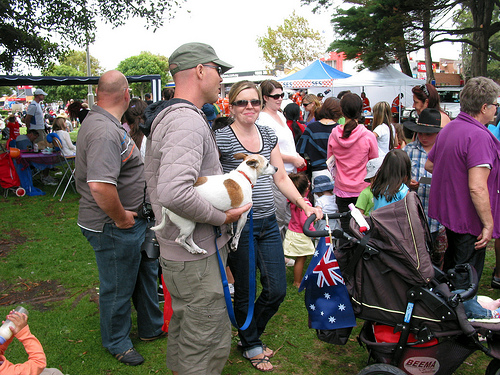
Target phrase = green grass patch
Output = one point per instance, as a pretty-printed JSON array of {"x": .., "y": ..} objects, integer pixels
[{"x": 46, "y": 264}]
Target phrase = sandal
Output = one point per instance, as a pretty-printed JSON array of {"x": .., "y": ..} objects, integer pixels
[
  {"x": 266, "y": 348},
  {"x": 259, "y": 361}
]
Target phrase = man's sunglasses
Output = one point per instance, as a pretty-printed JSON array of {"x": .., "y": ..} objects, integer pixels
[{"x": 244, "y": 103}]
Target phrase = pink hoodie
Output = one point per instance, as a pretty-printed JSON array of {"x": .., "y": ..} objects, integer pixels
[{"x": 351, "y": 156}]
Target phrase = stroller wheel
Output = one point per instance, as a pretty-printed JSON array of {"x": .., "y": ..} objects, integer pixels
[
  {"x": 493, "y": 368},
  {"x": 381, "y": 369}
]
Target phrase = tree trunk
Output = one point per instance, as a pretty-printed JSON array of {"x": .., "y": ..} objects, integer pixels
[
  {"x": 404, "y": 64},
  {"x": 482, "y": 11},
  {"x": 429, "y": 72}
]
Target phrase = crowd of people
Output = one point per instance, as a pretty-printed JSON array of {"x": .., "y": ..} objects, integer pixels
[{"x": 133, "y": 155}]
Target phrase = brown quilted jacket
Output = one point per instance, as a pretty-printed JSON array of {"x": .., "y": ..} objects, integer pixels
[{"x": 181, "y": 148}]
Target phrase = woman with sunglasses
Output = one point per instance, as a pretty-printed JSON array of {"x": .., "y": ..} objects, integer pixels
[
  {"x": 310, "y": 103},
  {"x": 271, "y": 116},
  {"x": 244, "y": 135},
  {"x": 426, "y": 96}
]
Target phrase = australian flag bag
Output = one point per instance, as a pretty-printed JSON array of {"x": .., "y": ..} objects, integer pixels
[{"x": 326, "y": 298}]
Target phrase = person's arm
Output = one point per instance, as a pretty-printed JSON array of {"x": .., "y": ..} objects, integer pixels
[
  {"x": 478, "y": 188},
  {"x": 297, "y": 160},
  {"x": 36, "y": 362},
  {"x": 287, "y": 188},
  {"x": 429, "y": 166},
  {"x": 27, "y": 121},
  {"x": 106, "y": 197}
]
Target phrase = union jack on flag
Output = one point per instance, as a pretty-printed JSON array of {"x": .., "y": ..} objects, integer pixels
[
  {"x": 327, "y": 300},
  {"x": 327, "y": 270}
]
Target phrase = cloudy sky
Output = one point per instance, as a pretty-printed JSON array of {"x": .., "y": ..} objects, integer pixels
[{"x": 231, "y": 27}]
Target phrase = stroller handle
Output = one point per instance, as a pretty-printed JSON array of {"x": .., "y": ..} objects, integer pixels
[
  {"x": 473, "y": 282},
  {"x": 324, "y": 233}
]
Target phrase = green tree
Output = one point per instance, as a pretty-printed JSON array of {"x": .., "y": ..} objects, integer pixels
[
  {"x": 33, "y": 32},
  {"x": 78, "y": 60},
  {"x": 293, "y": 42},
  {"x": 463, "y": 19},
  {"x": 72, "y": 63},
  {"x": 64, "y": 92},
  {"x": 143, "y": 64},
  {"x": 377, "y": 31}
]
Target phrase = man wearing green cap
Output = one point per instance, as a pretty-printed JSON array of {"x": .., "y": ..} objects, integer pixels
[{"x": 181, "y": 148}]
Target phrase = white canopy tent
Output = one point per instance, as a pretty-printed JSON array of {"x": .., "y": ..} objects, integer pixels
[{"x": 383, "y": 84}]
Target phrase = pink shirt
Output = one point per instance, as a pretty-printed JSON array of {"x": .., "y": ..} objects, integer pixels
[
  {"x": 298, "y": 218},
  {"x": 351, "y": 156}
]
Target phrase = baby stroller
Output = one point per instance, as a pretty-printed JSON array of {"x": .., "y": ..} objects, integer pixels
[
  {"x": 414, "y": 323},
  {"x": 9, "y": 180}
]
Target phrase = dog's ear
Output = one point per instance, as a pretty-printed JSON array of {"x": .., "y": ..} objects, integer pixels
[
  {"x": 253, "y": 163},
  {"x": 240, "y": 156}
]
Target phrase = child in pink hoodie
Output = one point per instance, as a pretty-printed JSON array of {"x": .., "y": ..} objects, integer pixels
[
  {"x": 352, "y": 145},
  {"x": 36, "y": 362}
]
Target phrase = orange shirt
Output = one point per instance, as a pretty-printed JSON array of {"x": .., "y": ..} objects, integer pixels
[
  {"x": 36, "y": 357},
  {"x": 297, "y": 98}
]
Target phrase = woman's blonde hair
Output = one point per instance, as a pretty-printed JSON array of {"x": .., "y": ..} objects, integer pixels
[
  {"x": 59, "y": 124},
  {"x": 239, "y": 87}
]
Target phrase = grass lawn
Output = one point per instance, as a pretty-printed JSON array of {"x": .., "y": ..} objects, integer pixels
[{"x": 47, "y": 265}]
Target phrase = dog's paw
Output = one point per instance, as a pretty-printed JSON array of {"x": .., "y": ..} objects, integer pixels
[
  {"x": 197, "y": 251},
  {"x": 234, "y": 244}
]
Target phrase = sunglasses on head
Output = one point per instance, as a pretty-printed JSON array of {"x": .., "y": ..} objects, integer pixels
[
  {"x": 244, "y": 103},
  {"x": 425, "y": 90},
  {"x": 277, "y": 96}
]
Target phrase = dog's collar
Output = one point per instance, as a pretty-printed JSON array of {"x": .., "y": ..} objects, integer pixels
[{"x": 244, "y": 174}]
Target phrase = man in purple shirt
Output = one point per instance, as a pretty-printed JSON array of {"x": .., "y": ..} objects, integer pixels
[{"x": 465, "y": 167}]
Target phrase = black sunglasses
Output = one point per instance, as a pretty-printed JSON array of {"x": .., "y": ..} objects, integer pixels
[
  {"x": 219, "y": 69},
  {"x": 244, "y": 103},
  {"x": 277, "y": 96},
  {"x": 305, "y": 104}
]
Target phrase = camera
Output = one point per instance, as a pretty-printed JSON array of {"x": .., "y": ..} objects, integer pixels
[
  {"x": 145, "y": 211},
  {"x": 150, "y": 246}
]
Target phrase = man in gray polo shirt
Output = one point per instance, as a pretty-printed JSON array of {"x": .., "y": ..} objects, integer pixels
[{"x": 110, "y": 178}]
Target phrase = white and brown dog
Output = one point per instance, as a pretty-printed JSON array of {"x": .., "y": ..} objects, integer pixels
[{"x": 226, "y": 191}]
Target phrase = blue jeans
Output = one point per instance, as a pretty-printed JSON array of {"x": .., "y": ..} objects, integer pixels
[
  {"x": 270, "y": 261},
  {"x": 473, "y": 309},
  {"x": 124, "y": 274}
]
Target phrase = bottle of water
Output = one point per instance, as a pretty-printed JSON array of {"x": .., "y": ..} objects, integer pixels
[{"x": 5, "y": 332}]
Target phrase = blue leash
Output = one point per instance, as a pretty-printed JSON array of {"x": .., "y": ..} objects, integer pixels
[{"x": 251, "y": 280}]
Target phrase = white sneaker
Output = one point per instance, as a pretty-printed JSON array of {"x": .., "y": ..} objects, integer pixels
[
  {"x": 49, "y": 181},
  {"x": 289, "y": 262}
]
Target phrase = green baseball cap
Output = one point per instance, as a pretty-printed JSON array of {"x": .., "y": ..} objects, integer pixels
[{"x": 190, "y": 55}]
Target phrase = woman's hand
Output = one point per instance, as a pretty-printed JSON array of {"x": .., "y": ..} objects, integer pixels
[
  {"x": 308, "y": 210},
  {"x": 299, "y": 162},
  {"x": 414, "y": 185}
]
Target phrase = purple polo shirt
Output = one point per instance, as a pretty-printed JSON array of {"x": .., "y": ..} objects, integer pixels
[{"x": 463, "y": 143}]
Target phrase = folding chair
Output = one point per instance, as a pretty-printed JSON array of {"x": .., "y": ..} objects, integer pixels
[{"x": 68, "y": 164}]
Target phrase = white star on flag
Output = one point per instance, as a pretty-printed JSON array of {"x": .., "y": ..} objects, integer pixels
[
  {"x": 327, "y": 295},
  {"x": 312, "y": 307},
  {"x": 341, "y": 307},
  {"x": 322, "y": 313},
  {"x": 332, "y": 319}
]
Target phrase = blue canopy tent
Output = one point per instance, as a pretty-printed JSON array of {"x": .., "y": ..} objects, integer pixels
[{"x": 316, "y": 75}]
